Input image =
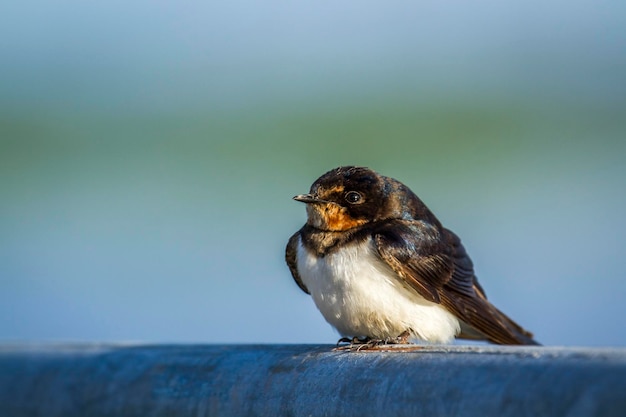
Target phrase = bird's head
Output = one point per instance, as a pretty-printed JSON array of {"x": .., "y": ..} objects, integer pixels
[{"x": 349, "y": 197}]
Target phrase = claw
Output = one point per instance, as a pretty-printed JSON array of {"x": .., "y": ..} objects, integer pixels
[{"x": 355, "y": 341}]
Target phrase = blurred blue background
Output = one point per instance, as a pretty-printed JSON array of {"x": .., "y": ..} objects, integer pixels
[{"x": 149, "y": 152}]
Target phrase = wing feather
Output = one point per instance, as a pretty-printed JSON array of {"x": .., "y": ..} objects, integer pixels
[
  {"x": 291, "y": 253},
  {"x": 434, "y": 263}
]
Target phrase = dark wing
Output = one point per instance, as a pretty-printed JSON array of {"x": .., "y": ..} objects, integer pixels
[
  {"x": 434, "y": 263},
  {"x": 290, "y": 257}
]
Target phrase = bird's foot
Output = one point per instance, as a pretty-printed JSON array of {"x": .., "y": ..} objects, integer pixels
[
  {"x": 355, "y": 344},
  {"x": 367, "y": 343},
  {"x": 345, "y": 343}
]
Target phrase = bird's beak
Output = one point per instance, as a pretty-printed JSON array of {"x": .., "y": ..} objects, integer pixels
[{"x": 308, "y": 198}]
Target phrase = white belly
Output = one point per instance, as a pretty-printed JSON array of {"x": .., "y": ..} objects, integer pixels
[{"x": 359, "y": 295}]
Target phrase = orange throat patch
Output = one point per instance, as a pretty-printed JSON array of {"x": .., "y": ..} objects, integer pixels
[{"x": 331, "y": 217}]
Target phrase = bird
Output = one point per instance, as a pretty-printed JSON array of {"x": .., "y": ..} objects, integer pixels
[{"x": 381, "y": 268}]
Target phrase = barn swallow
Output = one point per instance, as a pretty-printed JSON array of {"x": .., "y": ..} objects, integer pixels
[{"x": 381, "y": 267}]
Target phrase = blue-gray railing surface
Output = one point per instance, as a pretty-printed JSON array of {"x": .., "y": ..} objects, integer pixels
[{"x": 305, "y": 380}]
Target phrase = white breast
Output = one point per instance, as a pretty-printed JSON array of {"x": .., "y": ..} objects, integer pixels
[{"x": 359, "y": 295}]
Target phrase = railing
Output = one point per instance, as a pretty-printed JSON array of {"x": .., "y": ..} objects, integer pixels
[{"x": 304, "y": 380}]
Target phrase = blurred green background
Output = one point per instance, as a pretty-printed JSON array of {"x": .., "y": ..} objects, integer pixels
[{"x": 149, "y": 152}]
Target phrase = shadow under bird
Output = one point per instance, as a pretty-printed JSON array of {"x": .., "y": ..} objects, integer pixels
[{"x": 381, "y": 267}]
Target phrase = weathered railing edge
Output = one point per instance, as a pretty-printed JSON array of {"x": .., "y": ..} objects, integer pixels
[
  {"x": 60, "y": 347},
  {"x": 121, "y": 379},
  {"x": 477, "y": 347}
]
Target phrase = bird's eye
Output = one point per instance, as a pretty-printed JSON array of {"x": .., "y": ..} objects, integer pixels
[{"x": 353, "y": 197}]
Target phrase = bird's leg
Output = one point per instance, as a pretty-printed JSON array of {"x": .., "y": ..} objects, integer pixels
[{"x": 401, "y": 339}]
